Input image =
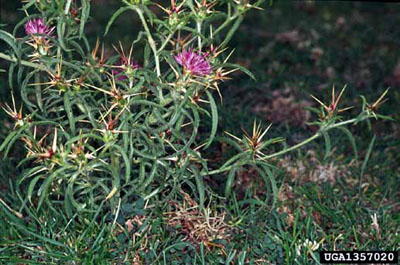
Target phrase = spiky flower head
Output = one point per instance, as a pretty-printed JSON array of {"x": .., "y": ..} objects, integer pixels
[
  {"x": 194, "y": 63},
  {"x": 37, "y": 26},
  {"x": 123, "y": 68},
  {"x": 123, "y": 65}
]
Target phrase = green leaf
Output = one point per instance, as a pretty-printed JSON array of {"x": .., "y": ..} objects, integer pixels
[
  {"x": 61, "y": 25},
  {"x": 151, "y": 16},
  {"x": 196, "y": 122},
  {"x": 32, "y": 185},
  {"x": 126, "y": 161},
  {"x": 214, "y": 112},
  {"x": 8, "y": 139},
  {"x": 233, "y": 159},
  {"x": 351, "y": 139},
  {"x": 68, "y": 110},
  {"x": 146, "y": 54},
  {"x": 242, "y": 258},
  {"x": 265, "y": 169},
  {"x": 241, "y": 68},
  {"x": 84, "y": 17},
  {"x": 11, "y": 75},
  {"x": 151, "y": 176},
  {"x": 31, "y": 172},
  {"x": 231, "y": 31},
  {"x": 229, "y": 182},
  {"x": 29, "y": 4},
  {"x": 200, "y": 187},
  {"x": 38, "y": 92},
  {"x": 364, "y": 165},
  {"x": 179, "y": 246},
  {"x": 327, "y": 144},
  {"x": 114, "y": 17},
  {"x": 24, "y": 90},
  {"x": 384, "y": 117},
  {"x": 230, "y": 257},
  {"x": 12, "y": 141},
  {"x": 11, "y": 41},
  {"x": 43, "y": 191},
  {"x": 45, "y": 239},
  {"x": 70, "y": 193}
]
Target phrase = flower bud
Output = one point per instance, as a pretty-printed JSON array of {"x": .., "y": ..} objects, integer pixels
[{"x": 62, "y": 87}]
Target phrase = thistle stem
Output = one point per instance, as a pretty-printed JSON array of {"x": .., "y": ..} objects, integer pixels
[
  {"x": 227, "y": 21},
  {"x": 67, "y": 7},
  {"x": 199, "y": 34},
  {"x": 345, "y": 122},
  {"x": 217, "y": 171},
  {"x": 305, "y": 142},
  {"x": 15, "y": 60},
  {"x": 232, "y": 30},
  {"x": 166, "y": 42},
  {"x": 315, "y": 136},
  {"x": 149, "y": 37}
]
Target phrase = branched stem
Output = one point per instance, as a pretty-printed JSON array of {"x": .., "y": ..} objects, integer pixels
[
  {"x": 227, "y": 21},
  {"x": 310, "y": 139},
  {"x": 306, "y": 141},
  {"x": 166, "y": 42},
  {"x": 297, "y": 146}
]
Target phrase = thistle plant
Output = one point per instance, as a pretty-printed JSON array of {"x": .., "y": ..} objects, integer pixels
[
  {"x": 251, "y": 148},
  {"x": 101, "y": 132}
]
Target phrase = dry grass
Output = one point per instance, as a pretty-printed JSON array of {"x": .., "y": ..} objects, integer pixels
[
  {"x": 313, "y": 170},
  {"x": 198, "y": 227},
  {"x": 284, "y": 108}
]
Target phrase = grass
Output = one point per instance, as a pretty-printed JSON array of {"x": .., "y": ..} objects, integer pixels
[{"x": 321, "y": 204}]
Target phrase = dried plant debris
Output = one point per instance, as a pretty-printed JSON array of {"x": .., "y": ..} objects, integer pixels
[
  {"x": 198, "y": 227},
  {"x": 316, "y": 53},
  {"x": 292, "y": 36},
  {"x": 141, "y": 233},
  {"x": 284, "y": 108},
  {"x": 313, "y": 170}
]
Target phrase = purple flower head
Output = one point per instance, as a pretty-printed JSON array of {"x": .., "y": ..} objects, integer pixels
[
  {"x": 37, "y": 26},
  {"x": 122, "y": 66},
  {"x": 195, "y": 63}
]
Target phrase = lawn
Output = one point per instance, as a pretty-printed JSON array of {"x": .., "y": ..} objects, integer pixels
[{"x": 336, "y": 194}]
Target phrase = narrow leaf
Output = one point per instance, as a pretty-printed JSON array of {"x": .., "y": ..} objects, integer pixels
[
  {"x": 200, "y": 187},
  {"x": 351, "y": 139},
  {"x": 364, "y": 165},
  {"x": 114, "y": 17},
  {"x": 214, "y": 112},
  {"x": 84, "y": 17},
  {"x": 229, "y": 182},
  {"x": 68, "y": 110},
  {"x": 11, "y": 41},
  {"x": 327, "y": 144}
]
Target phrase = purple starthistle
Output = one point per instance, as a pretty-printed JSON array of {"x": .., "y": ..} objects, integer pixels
[
  {"x": 37, "y": 26},
  {"x": 194, "y": 63},
  {"x": 123, "y": 65}
]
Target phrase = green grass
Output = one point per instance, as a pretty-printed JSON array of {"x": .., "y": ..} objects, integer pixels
[{"x": 362, "y": 51}]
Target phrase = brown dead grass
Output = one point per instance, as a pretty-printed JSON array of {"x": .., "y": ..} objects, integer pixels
[
  {"x": 198, "y": 227},
  {"x": 284, "y": 108}
]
